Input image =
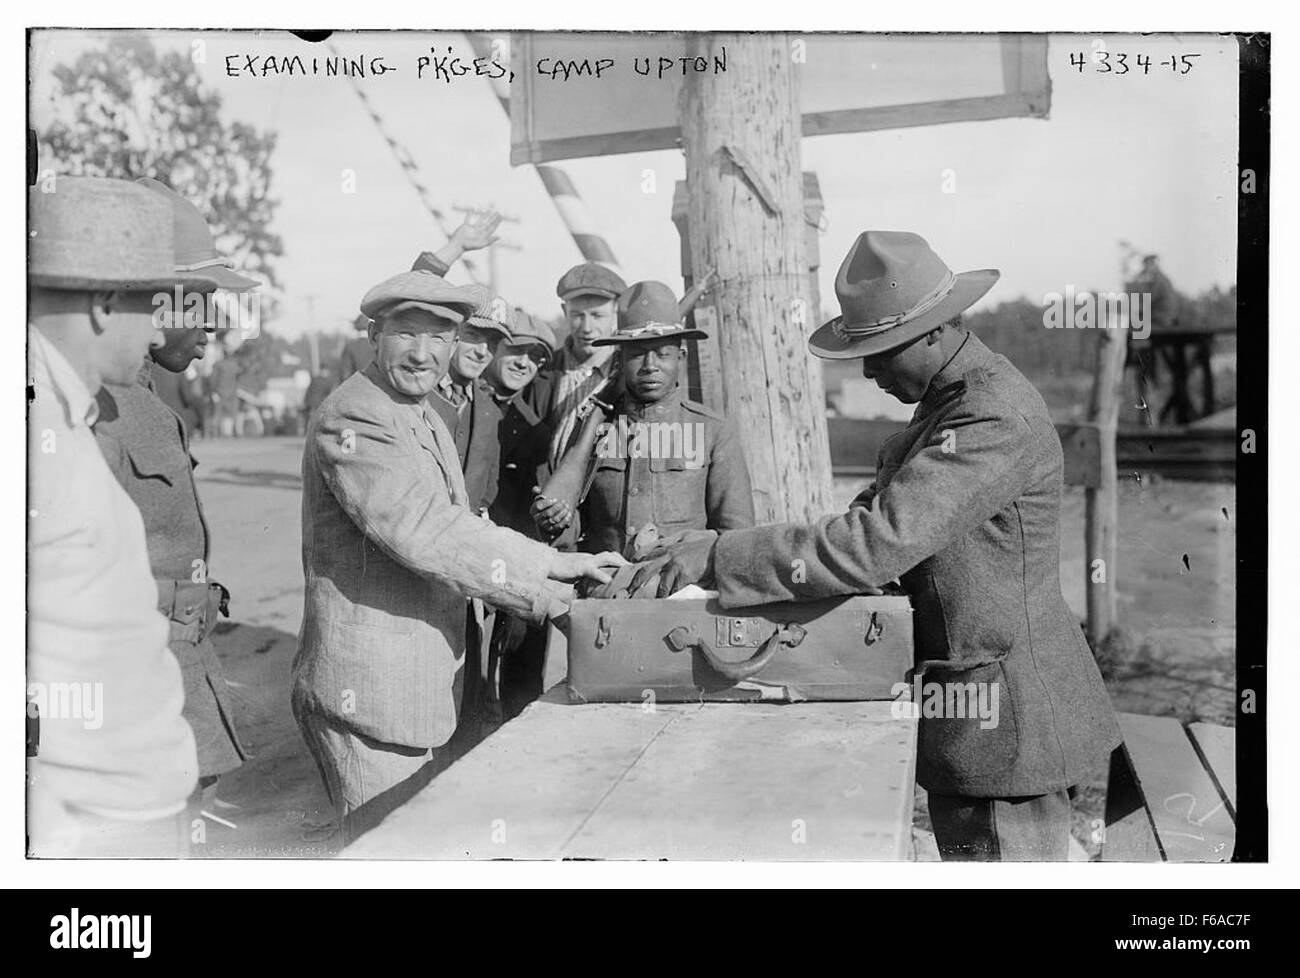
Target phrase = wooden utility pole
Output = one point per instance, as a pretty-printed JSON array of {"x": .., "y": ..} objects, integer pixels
[{"x": 741, "y": 131}]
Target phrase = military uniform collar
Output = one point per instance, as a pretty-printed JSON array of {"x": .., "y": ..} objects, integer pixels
[
  {"x": 951, "y": 378},
  {"x": 666, "y": 405}
]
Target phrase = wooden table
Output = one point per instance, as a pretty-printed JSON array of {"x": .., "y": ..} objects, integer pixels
[{"x": 804, "y": 781}]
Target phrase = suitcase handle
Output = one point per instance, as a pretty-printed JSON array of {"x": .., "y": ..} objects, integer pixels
[{"x": 788, "y": 636}]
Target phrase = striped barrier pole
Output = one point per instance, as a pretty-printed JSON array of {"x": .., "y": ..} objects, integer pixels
[
  {"x": 409, "y": 169},
  {"x": 559, "y": 186}
]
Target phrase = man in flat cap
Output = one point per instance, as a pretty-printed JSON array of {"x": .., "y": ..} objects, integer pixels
[
  {"x": 391, "y": 551},
  {"x": 111, "y": 760},
  {"x": 523, "y": 434},
  {"x": 965, "y": 510},
  {"x": 515, "y": 660},
  {"x": 146, "y": 444},
  {"x": 665, "y": 468},
  {"x": 588, "y": 295},
  {"x": 478, "y": 230}
]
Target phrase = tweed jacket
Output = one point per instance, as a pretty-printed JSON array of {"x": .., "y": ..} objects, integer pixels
[
  {"x": 390, "y": 553},
  {"x": 965, "y": 511}
]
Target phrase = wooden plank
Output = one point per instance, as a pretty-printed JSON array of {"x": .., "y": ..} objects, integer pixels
[
  {"x": 1130, "y": 835},
  {"x": 1190, "y": 817},
  {"x": 522, "y": 792},
  {"x": 616, "y": 781},
  {"x": 808, "y": 781},
  {"x": 1218, "y": 746}
]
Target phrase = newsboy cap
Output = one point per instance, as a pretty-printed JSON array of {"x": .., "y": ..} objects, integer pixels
[
  {"x": 590, "y": 278},
  {"x": 419, "y": 290},
  {"x": 648, "y": 311},
  {"x": 529, "y": 329},
  {"x": 491, "y": 312},
  {"x": 94, "y": 233}
]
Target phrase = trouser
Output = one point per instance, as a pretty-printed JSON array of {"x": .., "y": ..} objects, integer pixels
[
  {"x": 59, "y": 831},
  {"x": 1031, "y": 829},
  {"x": 523, "y": 658},
  {"x": 192, "y": 610},
  {"x": 365, "y": 778}
]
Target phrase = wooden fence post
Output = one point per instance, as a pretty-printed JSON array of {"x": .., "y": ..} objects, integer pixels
[{"x": 1101, "y": 508}]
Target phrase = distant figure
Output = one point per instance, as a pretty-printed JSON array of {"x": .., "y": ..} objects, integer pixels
[
  {"x": 357, "y": 352},
  {"x": 319, "y": 389},
  {"x": 223, "y": 386},
  {"x": 1164, "y": 300}
]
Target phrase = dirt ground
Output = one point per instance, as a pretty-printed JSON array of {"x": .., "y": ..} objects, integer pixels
[{"x": 1175, "y": 656}]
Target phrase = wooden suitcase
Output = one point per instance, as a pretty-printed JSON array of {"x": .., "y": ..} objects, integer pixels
[{"x": 680, "y": 650}]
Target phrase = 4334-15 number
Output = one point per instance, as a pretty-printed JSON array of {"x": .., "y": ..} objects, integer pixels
[{"x": 1105, "y": 62}]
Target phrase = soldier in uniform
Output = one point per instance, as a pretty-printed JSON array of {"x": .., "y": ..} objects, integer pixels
[
  {"x": 965, "y": 510},
  {"x": 147, "y": 447},
  {"x": 662, "y": 468}
]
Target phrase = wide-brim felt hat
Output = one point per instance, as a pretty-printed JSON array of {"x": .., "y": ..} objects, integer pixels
[
  {"x": 492, "y": 312},
  {"x": 101, "y": 234},
  {"x": 893, "y": 289},
  {"x": 419, "y": 290},
  {"x": 647, "y": 311},
  {"x": 195, "y": 248}
]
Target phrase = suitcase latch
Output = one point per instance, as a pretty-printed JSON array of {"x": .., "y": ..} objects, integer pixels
[
  {"x": 742, "y": 633},
  {"x": 875, "y": 628}
]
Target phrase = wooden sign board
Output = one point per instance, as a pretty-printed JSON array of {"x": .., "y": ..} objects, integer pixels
[{"x": 560, "y": 109}]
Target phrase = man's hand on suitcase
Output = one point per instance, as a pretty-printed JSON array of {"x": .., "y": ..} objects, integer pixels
[
  {"x": 573, "y": 566},
  {"x": 683, "y": 564}
]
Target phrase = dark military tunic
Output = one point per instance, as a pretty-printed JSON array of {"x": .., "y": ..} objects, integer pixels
[
  {"x": 706, "y": 487},
  {"x": 147, "y": 447},
  {"x": 965, "y": 510}
]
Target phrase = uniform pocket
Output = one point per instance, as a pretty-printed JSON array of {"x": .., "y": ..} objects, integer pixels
[{"x": 968, "y": 728}]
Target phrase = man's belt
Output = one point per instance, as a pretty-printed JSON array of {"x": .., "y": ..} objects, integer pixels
[{"x": 192, "y": 608}]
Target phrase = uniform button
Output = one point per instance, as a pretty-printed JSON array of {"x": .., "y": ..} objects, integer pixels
[
  {"x": 633, "y": 491},
  {"x": 189, "y": 609}
]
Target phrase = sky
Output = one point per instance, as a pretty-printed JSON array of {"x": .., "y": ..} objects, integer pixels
[{"x": 1148, "y": 158}]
